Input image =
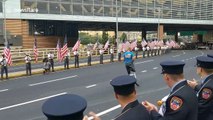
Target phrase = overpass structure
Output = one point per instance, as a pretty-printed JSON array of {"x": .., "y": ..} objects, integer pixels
[{"x": 52, "y": 19}]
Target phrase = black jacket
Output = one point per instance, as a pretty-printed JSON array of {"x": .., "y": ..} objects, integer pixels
[
  {"x": 134, "y": 111},
  {"x": 182, "y": 104},
  {"x": 205, "y": 99}
]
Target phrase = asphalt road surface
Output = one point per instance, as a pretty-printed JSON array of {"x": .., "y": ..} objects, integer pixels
[{"x": 22, "y": 98}]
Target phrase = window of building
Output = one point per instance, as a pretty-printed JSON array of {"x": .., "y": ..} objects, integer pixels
[
  {"x": 134, "y": 12},
  {"x": 65, "y": 8},
  {"x": 29, "y": 6},
  {"x": 126, "y": 12},
  {"x": 77, "y": 9},
  {"x": 108, "y": 2},
  {"x": 98, "y": 2},
  {"x": 65, "y": 1},
  {"x": 87, "y": 10},
  {"x": 42, "y": 7},
  {"x": 98, "y": 10},
  {"x": 1, "y": 7},
  {"x": 88, "y": 2},
  {"x": 77, "y": 1},
  {"x": 108, "y": 11},
  {"x": 142, "y": 12},
  {"x": 54, "y": 8}
]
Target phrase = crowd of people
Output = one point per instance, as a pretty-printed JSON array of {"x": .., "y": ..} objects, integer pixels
[{"x": 187, "y": 99}]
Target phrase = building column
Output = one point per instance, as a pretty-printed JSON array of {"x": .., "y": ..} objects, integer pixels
[
  {"x": 161, "y": 32},
  {"x": 143, "y": 34},
  {"x": 176, "y": 36}
]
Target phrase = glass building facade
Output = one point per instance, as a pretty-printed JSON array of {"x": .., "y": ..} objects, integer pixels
[{"x": 166, "y": 9}]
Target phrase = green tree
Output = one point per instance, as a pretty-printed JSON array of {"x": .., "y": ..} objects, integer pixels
[{"x": 123, "y": 37}]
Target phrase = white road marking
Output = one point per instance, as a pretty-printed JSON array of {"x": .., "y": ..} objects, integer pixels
[
  {"x": 32, "y": 101},
  {"x": 176, "y": 56},
  {"x": 91, "y": 86},
  {"x": 144, "y": 71},
  {"x": 155, "y": 68},
  {"x": 106, "y": 111},
  {"x": 144, "y": 62},
  {"x": 52, "y": 80},
  {"x": 3, "y": 90}
]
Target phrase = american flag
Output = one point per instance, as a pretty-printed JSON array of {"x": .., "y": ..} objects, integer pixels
[
  {"x": 143, "y": 43},
  {"x": 64, "y": 49},
  {"x": 77, "y": 45},
  {"x": 106, "y": 45},
  {"x": 35, "y": 50},
  {"x": 58, "y": 47},
  {"x": 133, "y": 44},
  {"x": 7, "y": 53}
]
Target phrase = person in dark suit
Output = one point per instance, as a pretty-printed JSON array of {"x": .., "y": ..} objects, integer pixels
[
  {"x": 181, "y": 103},
  {"x": 125, "y": 93},
  {"x": 64, "y": 107},
  {"x": 205, "y": 89}
]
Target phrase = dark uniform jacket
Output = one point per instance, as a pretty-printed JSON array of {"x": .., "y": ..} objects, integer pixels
[
  {"x": 134, "y": 111},
  {"x": 205, "y": 99},
  {"x": 182, "y": 104}
]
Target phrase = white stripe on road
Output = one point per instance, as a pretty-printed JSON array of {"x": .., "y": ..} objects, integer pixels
[
  {"x": 176, "y": 56},
  {"x": 3, "y": 90},
  {"x": 32, "y": 101},
  {"x": 144, "y": 71},
  {"x": 91, "y": 86},
  {"x": 155, "y": 68},
  {"x": 52, "y": 80},
  {"x": 106, "y": 111},
  {"x": 144, "y": 62}
]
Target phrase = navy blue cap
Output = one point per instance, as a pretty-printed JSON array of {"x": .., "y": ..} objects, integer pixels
[
  {"x": 123, "y": 85},
  {"x": 65, "y": 107},
  {"x": 210, "y": 55},
  {"x": 205, "y": 62},
  {"x": 172, "y": 67}
]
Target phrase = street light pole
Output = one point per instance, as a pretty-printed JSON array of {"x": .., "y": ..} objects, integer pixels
[
  {"x": 4, "y": 29},
  {"x": 159, "y": 11},
  {"x": 118, "y": 41}
]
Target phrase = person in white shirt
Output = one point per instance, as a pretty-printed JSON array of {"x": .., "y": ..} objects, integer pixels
[
  {"x": 89, "y": 55},
  {"x": 148, "y": 50},
  {"x": 28, "y": 64},
  {"x": 136, "y": 52},
  {"x": 3, "y": 62},
  {"x": 51, "y": 57},
  {"x": 76, "y": 55},
  {"x": 66, "y": 60},
  {"x": 111, "y": 55},
  {"x": 101, "y": 52},
  {"x": 144, "y": 50}
]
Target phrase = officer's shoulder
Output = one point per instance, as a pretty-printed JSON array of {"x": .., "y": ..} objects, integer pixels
[{"x": 176, "y": 103}]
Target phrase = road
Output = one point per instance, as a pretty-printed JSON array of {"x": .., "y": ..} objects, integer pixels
[{"x": 22, "y": 98}]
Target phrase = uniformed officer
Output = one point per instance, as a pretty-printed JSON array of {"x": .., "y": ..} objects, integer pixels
[
  {"x": 3, "y": 62},
  {"x": 119, "y": 55},
  {"x": 205, "y": 89},
  {"x": 64, "y": 107},
  {"x": 144, "y": 50},
  {"x": 125, "y": 93},
  {"x": 89, "y": 57},
  {"x": 76, "y": 55},
  {"x": 155, "y": 51},
  {"x": 101, "y": 52},
  {"x": 148, "y": 50},
  {"x": 111, "y": 55},
  {"x": 66, "y": 60},
  {"x": 181, "y": 103},
  {"x": 51, "y": 59},
  {"x": 136, "y": 52},
  {"x": 28, "y": 64}
]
